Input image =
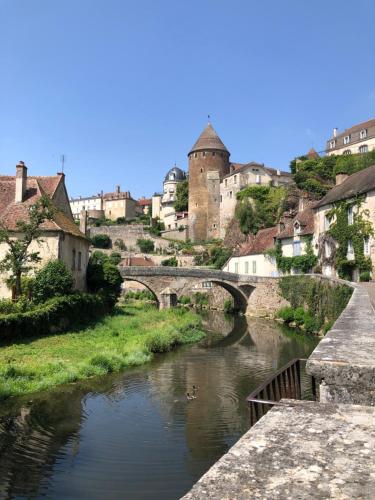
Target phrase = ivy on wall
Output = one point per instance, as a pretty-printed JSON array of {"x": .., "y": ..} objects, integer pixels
[
  {"x": 299, "y": 263},
  {"x": 344, "y": 232}
]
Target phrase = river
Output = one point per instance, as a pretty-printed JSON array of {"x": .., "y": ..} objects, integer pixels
[{"x": 134, "y": 435}]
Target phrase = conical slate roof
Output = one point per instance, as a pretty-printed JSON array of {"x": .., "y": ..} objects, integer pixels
[{"x": 208, "y": 140}]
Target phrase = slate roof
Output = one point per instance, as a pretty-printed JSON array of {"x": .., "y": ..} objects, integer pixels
[
  {"x": 258, "y": 244},
  {"x": 36, "y": 186},
  {"x": 355, "y": 128},
  {"x": 208, "y": 140},
  {"x": 239, "y": 167},
  {"x": 359, "y": 183},
  {"x": 179, "y": 175}
]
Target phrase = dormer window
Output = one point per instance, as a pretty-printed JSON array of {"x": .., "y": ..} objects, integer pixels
[
  {"x": 363, "y": 133},
  {"x": 332, "y": 144},
  {"x": 171, "y": 177},
  {"x": 347, "y": 139}
]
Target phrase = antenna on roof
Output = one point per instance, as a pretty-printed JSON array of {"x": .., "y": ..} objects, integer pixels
[
  {"x": 63, "y": 160},
  {"x": 209, "y": 118}
]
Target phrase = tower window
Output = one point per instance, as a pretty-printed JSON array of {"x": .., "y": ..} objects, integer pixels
[
  {"x": 195, "y": 155},
  {"x": 213, "y": 153},
  {"x": 204, "y": 153},
  {"x": 201, "y": 170}
]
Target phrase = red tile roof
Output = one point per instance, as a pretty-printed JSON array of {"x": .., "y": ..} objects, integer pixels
[
  {"x": 260, "y": 243},
  {"x": 144, "y": 202},
  {"x": 36, "y": 186}
]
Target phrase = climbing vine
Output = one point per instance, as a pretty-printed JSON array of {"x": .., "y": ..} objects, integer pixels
[
  {"x": 356, "y": 232},
  {"x": 299, "y": 263}
]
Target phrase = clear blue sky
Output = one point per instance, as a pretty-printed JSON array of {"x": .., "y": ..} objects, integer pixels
[{"x": 123, "y": 88}]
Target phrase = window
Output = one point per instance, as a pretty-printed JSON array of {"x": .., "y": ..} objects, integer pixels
[
  {"x": 246, "y": 267},
  {"x": 215, "y": 226},
  {"x": 296, "y": 248},
  {"x": 258, "y": 179},
  {"x": 201, "y": 170},
  {"x": 221, "y": 198},
  {"x": 347, "y": 139},
  {"x": 332, "y": 144},
  {"x": 236, "y": 267},
  {"x": 79, "y": 261},
  {"x": 213, "y": 153},
  {"x": 230, "y": 194},
  {"x": 254, "y": 266},
  {"x": 327, "y": 222},
  {"x": 235, "y": 179},
  {"x": 73, "y": 259},
  {"x": 347, "y": 152},
  {"x": 204, "y": 153},
  {"x": 195, "y": 155},
  {"x": 226, "y": 183},
  {"x": 363, "y": 133},
  {"x": 350, "y": 248},
  {"x": 363, "y": 149},
  {"x": 207, "y": 284},
  {"x": 366, "y": 246},
  {"x": 350, "y": 215},
  {"x": 327, "y": 249}
]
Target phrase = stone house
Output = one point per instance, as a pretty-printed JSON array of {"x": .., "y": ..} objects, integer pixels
[
  {"x": 61, "y": 238},
  {"x": 294, "y": 234},
  {"x": 240, "y": 176},
  {"x": 347, "y": 188},
  {"x": 357, "y": 139},
  {"x": 251, "y": 257},
  {"x": 144, "y": 206}
]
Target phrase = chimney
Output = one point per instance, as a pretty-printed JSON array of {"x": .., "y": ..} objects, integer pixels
[
  {"x": 340, "y": 178},
  {"x": 118, "y": 189},
  {"x": 335, "y": 132},
  {"x": 83, "y": 221},
  {"x": 278, "y": 172},
  {"x": 21, "y": 179}
]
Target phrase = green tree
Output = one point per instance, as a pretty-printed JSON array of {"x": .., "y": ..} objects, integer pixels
[
  {"x": 182, "y": 196},
  {"x": 18, "y": 260},
  {"x": 103, "y": 276},
  {"x": 146, "y": 245},
  {"x": 101, "y": 241},
  {"x": 54, "y": 279}
]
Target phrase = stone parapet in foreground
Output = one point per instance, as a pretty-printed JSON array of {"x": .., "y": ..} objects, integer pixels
[
  {"x": 344, "y": 361},
  {"x": 303, "y": 450}
]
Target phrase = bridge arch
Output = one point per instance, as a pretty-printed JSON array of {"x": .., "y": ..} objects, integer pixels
[
  {"x": 239, "y": 297},
  {"x": 147, "y": 285}
]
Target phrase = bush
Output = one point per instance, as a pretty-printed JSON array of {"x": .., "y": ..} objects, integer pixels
[
  {"x": 299, "y": 316},
  {"x": 286, "y": 314},
  {"x": 140, "y": 295},
  {"x": 53, "y": 280},
  {"x": 228, "y": 305},
  {"x": 101, "y": 241},
  {"x": 120, "y": 220},
  {"x": 200, "y": 299},
  {"x": 115, "y": 258},
  {"x": 172, "y": 262},
  {"x": 55, "y": 315},
  {"x": 365, "y": 276},
  {"x": 184, "y": 299},
  {"x": 146, "y": 245}
]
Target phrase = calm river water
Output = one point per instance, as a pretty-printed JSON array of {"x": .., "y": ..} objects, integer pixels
[{"x": 134, "y": 435}]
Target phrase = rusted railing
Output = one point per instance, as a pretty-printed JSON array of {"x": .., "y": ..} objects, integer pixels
[{"x": 285, "y": 383}]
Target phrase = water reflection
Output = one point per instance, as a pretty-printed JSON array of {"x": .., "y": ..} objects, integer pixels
[{"x": 134, "y": 435}]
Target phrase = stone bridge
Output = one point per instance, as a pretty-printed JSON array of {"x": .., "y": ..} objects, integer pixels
[{"x": 253, "y": 295}]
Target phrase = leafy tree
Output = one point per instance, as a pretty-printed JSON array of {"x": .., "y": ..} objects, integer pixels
[
  {"x": 146, "y": 245},
  {"x": 182, "y": 196},
  {"x": 54, "y": 279},
  {"x": 18, "y": 260},
  {"x": 103, "y": 276},
  {"x": 245, "y": 216},
  {"x": 172, "y": 262},
  {"x": 115, "y": 258},
  {"x": 101, "y": 241}
]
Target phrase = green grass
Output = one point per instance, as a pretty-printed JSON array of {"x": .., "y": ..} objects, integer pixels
[{"x": 127, "y": 338}]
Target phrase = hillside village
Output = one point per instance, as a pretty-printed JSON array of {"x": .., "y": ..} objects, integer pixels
[{"x": 246, "y": 218}]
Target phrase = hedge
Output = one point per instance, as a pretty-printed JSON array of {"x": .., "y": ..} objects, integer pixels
[{"x": 53, "y": 316}]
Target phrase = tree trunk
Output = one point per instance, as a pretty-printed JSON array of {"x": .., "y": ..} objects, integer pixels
[{"x": 18, "y": 289}]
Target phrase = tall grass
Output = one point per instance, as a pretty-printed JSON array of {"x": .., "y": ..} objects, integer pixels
[{"x": 127, "y": 338}]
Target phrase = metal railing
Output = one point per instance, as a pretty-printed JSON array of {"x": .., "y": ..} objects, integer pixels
[{"x": 285, "y": 383}]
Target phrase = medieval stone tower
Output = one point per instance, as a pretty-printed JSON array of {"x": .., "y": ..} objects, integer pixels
[{"x": 208, "y": 163}]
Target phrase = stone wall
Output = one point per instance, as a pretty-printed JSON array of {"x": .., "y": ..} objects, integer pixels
[
  {"x": 343, "y": 363},
  {"x": 129, "y": 234}
]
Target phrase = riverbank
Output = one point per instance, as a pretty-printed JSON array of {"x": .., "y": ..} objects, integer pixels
[{"x": 129, "y": 337}]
